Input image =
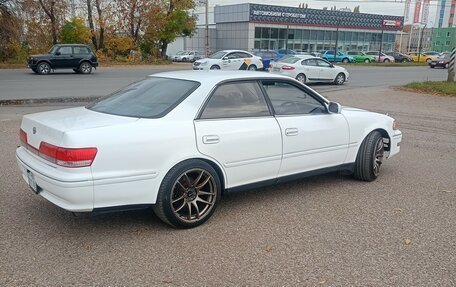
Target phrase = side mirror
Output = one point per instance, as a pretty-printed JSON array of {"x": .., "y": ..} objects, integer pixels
[
  {"x": 57, "y": 53},
  {"x": 334, "y": 108}
]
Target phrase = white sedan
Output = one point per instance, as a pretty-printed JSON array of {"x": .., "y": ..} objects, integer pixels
[
  {"x": 307, "y": 69},
  {"x": 177, "y": 140},
  {"x": 230, "y": 60}
]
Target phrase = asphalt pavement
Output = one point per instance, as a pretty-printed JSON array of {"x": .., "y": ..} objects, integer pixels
[
  {"x": 24, "y": 84},
  {"x": 327, "y": 230}
]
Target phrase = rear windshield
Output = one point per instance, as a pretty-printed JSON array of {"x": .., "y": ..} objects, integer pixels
[
  {"x": 152, "y": 97},
  {"x": 290, "y": 60}
]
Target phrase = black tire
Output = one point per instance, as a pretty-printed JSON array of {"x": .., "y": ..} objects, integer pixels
[
  {"x": 345, "y": 60},
  {"x": 301, "y": 78},
  {"x": 367, "y": 61},
  {"x": 404, "y": 61},
  {"x": 386, "y": 61},
  {"x": 432, "y": 67},
  {"x": 252, "y": 68},
  {"x": 215, "y": 67},
  {"x": 177, "y": 199},
  {"x": 43, "y": 68},
  {"x": 428, "y": 60},
  {"x": 370, "y": 157},
  {"x": 340, "y": 79},
  {"x": 85, "y": 68}
]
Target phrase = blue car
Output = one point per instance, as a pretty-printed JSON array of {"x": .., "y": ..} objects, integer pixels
[
  {"x": 286, "y": 52},
  {"x": 328, "y": 55},
  {"x": 267, "y": 57}
]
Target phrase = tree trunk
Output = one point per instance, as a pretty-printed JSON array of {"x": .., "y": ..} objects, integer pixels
[
  {"x": 164, "y": 47},
  {"x": 51, "y": 15},
  {"x": 90, "y": 19},
  {"x": 101, "y": 24}
]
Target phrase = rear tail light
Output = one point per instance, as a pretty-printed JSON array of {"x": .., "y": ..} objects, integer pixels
[
  {"x": 288, "y": 68},
  {"x": 67, "y": 157}
]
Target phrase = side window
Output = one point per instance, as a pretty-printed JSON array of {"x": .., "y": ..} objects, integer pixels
[
  {"x": 65, "y": 50},
  {"x": 330, "y": 52},
  {"x": 322, "y": 63},
  {"x": 310, "y": 62},
  {"x": 245, "y": 55},
  {"x": 81, "y": 50},
  {"x": 234, "y": 100},
  {"x": 232, "y": 56},
  {"x": 288, "y": 99}
]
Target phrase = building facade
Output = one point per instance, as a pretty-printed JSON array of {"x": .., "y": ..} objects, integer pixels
[
  {"x": 445, "y": 17},
  {"x": 268, "y": 27},
  {"x": 444, "y": 39},
  {"x": 420, "y": 39}
]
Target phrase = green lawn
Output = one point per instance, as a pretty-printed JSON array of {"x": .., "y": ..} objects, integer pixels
[{"x": 439, "y": 88}]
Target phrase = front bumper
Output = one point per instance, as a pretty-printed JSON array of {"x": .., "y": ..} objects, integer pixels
[{"x": 395, "y": 145}]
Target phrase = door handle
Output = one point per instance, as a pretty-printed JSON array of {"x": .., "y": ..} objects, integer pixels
[
  {"x": 291, "y": 132},
  {"x": 211, "y": 139}
]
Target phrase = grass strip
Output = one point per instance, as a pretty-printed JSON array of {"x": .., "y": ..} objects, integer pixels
[{"x": 436, "y": 88}]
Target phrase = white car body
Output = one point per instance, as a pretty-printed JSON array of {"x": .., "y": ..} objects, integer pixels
[
  {"x": 308, "y": 69},
  {"x": 230, "y": 60},
  {"x": 134, "y": 154},
  {"x": 186, "y": 56}
]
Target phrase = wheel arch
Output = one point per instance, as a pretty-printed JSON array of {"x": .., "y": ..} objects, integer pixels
[
  {"x": 45, "y": 60},
  {"x": 386, "y": 136}
]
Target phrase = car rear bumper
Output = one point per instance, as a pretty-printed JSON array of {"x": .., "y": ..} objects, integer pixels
[{"x": 62, "y": 188}]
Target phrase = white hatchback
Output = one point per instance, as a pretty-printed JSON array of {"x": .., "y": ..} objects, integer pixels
[
  {"x": 307, "y": 69},
  {"x": 175, "y": 141},
  {"x": 230, "y": 60}
]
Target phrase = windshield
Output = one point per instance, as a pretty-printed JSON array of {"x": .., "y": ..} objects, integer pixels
[
  {"x": 290, "y": 60},
  {"x": 217, "y": 55},
  {"x": 53, "y": 49},
  {"x": 152, "y": 97}
]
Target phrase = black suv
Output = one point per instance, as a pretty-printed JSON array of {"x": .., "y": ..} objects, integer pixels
[
  {"x": 64, "y": 56},
  {"x": 399, "y": 57}
]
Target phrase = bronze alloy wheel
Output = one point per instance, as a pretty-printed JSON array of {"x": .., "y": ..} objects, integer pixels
[
  {"x": 193, "y": 195},
  {"x": 378, "y": 156}
]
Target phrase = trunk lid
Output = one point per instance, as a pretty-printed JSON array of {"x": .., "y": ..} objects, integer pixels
[{"x": 51, "y": 126}]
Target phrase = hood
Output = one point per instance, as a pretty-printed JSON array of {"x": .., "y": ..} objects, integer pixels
[{"x": 39, "y": 56}]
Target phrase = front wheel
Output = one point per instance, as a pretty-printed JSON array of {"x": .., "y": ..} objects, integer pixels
[
  {"x": 386, "y": 61},
  {"x": 446, "y": 66},
  {"x": 85, "y": 68},
  {"x": 345, "y": 60},
  {"x": 188, "y": 195},
  {"x": 301, "y": 78},
  {"x": 43, "y": 68},
  {"x": 370, "y": 157},
  {"x": 340, "y": 79},
  {"x": 367, "y": 61},
  {"x": 215, "y": 67}
]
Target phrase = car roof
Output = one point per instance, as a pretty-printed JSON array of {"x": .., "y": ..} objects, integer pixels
[{"x": 211, "y": 76}]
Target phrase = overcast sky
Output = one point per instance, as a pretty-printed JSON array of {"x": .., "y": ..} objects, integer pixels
[{"x": 385, "y": 7}]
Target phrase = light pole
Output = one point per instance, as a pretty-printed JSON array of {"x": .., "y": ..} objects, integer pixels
[{"x": 420, "y": 39}]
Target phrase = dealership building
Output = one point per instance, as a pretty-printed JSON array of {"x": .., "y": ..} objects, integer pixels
[{"x": 268, "y": 27}]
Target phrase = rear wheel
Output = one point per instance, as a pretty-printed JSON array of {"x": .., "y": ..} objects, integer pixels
[
  {"x": 370, "y": 157},
  {"x": 386, "y": 61},
  {"x": 252, "y": 68},
  {"x": 43, "y": 68},
  {"x": 188, "y": 195},
  {"x": 85, "y": 68},
  {"x": 301, "y": 77},
  {"x": 446, "y": 66},
  {"x": 340, "y": 79},
  {"x": 215, "y": 67},
  {"x": 404, "y": 60},
  {"x": 345, "y": 60},
  {"x": 367, "y": 61},
  {"x": 428, "y": 60}
]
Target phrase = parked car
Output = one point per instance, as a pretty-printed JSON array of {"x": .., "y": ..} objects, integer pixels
[
  {"x": 423, "y": 57},
  {"x": 230, "y": 60},
  {"x": 310, "y": 69},
  {"x": 383, "y": 57},
  {"x": 399, "y": 57},
  {"x": 78, "y": 57},
  {"x": 328, "y": 55},
  {"x": 176, "y": 141},
  {"x": 268, "y": 57},
  {"x": 286, "y": 52},
  {"x": 186, "y": 56},
  {"x": 361, "y": 57},
  {"x": 442, "y": 61}
]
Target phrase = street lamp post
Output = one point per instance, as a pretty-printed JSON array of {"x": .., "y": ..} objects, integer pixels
[{"x": 420, "y": 40}]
